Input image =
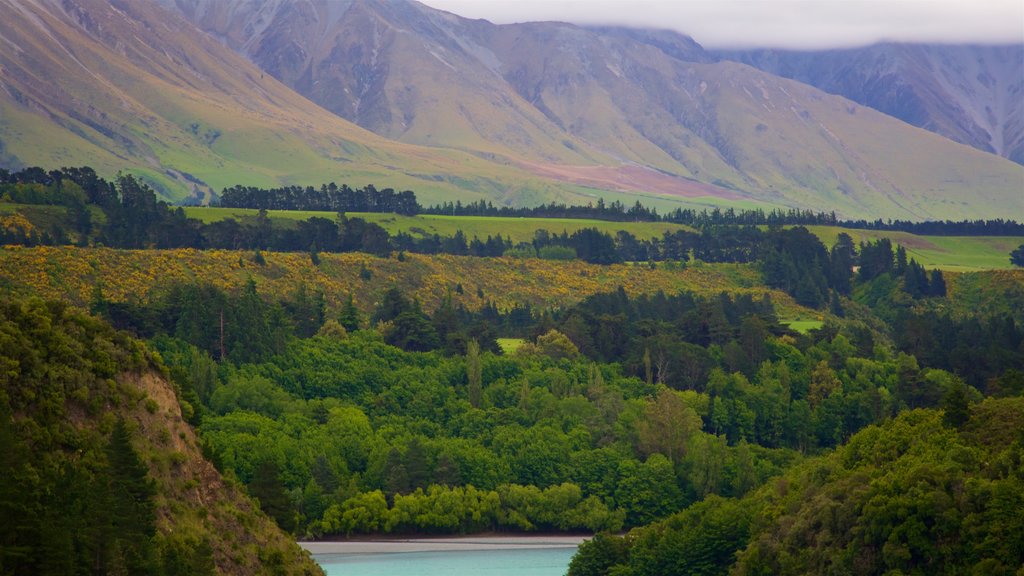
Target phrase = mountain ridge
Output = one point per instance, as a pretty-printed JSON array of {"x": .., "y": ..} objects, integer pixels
[
  {"x": 635, "y": 97},
  {"x": 972, "y": 94},
  {"x": 455, "y": 109}
]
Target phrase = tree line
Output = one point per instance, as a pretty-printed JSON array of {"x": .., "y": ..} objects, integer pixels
[{"x": 331, "y": 197}]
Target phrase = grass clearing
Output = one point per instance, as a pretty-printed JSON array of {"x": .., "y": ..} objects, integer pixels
[
  {"x": 510, "y": 345},
  {"x": 803, "y": 326}
]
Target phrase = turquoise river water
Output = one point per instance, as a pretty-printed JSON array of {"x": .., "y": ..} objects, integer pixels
[{"x": 526, "y": 562}]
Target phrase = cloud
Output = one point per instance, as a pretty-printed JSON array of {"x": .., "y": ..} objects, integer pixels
[{"x": 776, "y": 23}]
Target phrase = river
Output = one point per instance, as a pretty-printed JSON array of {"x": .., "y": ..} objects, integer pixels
[{"x": 489, "y": 556}]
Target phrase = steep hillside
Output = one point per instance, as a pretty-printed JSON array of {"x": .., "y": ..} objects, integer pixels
[
  {"x": 608, "y": 108},
  {"x": 971, "y": 94},
  {"x": 128, "y": 85},
  {"x": 102, "y": 475}
]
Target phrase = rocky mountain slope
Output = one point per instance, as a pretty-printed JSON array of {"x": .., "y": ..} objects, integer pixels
[
  {"x": 971, "y": 94},
  {"x": 604, "y": 106}
]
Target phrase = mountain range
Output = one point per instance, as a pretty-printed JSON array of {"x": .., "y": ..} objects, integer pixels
[
  {"x": 209, "y": 93},
  {"x": 971, "y": 94}
]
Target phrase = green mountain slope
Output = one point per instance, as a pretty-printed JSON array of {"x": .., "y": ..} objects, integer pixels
[
  {"x": 127, "y": 85},
  {"x": 609, "y": 108}
]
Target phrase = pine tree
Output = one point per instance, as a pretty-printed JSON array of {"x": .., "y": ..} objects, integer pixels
[
  {"x": 474, "y": 374},
  {"x": 350, "y": 317},
  {"x": 266, "y": 486},
  {"x": 131, "y": 510}
]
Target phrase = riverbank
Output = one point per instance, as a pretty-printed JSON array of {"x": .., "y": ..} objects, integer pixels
[{"x": 453, "y": 544}]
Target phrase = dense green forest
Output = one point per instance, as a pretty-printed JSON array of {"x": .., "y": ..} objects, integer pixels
[
  {"x": 929, "y": 492},
  {"x": 886, "y": 439},
  {"x": 421, "y": 425}
]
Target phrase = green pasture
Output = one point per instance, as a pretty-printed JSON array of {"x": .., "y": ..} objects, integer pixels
[
  {"x": 953, "y": 253},
  {"x": 518, "y": 229}
]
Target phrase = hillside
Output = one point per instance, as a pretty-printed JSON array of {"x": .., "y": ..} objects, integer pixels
[
  {"x": 970, "y": 94},
  {"x": 608, "y": 108},
  {"x": 912, "y": 495},
  {"x": 129, "y": 86},
  {"x": 75, "y": 275},
  {"x": 101, "y": 471}
]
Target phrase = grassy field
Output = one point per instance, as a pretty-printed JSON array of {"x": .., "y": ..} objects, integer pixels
[
  {"x": 953, "y": 253},
  {"x": 518, "y": 229},
  {"x": 510, "y": 345},
  {"x": 803, "y": 326}
]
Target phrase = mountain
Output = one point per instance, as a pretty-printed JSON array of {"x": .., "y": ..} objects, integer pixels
[
  {"x": 608, "y": 108},
  {"x": 454, "y": 109},
  {"x": 971, "y": 94},
  {"x": 128, "y": 85}
]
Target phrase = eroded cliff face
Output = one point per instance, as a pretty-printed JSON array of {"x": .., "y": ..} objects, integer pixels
[{"x": 194, "y": 495}]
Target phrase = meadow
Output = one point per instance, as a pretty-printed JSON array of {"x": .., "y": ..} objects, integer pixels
[
  {"x": 952, "y": 253},
  {"x": 518, "y": 229}
]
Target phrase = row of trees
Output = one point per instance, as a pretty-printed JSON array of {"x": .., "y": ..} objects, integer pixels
[{"x": 328, "y": 198}]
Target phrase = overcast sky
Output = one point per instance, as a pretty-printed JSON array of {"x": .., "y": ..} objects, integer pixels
[{"x": 776, "y": 23}]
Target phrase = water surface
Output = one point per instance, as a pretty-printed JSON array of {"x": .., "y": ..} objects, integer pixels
[{"x": 517, "y": 562}]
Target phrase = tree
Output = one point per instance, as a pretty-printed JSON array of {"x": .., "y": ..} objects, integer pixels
[
  {"x": 668, "y": 424},
  {"x": 557, "y": 345},
  {"x": 129, "y": 506},
  {"x": 350, "y": 318},
  {"x": 266, "y": 487},
  {"x": 474, "y": 374},
  {"x": 956, "y": 406},
  {"x": 1017, "y": 256},
  {"x": 597, "y": 556}
]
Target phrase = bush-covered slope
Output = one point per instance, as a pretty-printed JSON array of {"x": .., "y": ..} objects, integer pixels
[
  {"x": 75, "y": 273},
  {"x": 931, "y": 492},
  {"x": 101, "y": 474}
]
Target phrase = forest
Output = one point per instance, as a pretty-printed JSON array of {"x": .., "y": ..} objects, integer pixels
[{"x": 694, "y": 433}]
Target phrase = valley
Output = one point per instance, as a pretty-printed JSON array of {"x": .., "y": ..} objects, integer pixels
[{"x": 424, "y": 292}]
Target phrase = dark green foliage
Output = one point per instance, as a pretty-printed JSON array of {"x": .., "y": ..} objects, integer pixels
[
  {"x": 349, "y": 317},
  {"x": 956, "y": 405},
  {"x": 267, "y": 488},
  {"x": 70, "y": 501},
  {"x": 1017, "y": 256},
  {"x": 598, "y": 555}
]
